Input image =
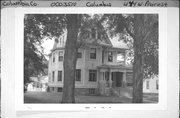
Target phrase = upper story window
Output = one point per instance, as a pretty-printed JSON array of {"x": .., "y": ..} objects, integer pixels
[
  {"x": 110, "y": 56},
  {"x": 93, "y": 53},
  {"x": 78, "y": 75},
  {"x": 53, "y": 57},
  {"x": 93, "y": 33},
  {"x": 59, "y": 75},
  {"x": 79, "y": 55},
  {"x": 92, "y": 75},
  {"x": 60, "y": 58}
]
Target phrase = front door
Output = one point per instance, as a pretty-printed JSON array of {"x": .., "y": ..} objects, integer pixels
[{"x": 118, "y": 79}]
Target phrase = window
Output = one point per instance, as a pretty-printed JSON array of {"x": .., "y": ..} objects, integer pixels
[
  {"x": 110, "y": 56},
  {"x": 59, "y": 75},
  {"x": 60, "y": 56},
  {"x": 129, "y": 78},
  {"x": 147, "y": 84},
  {"x": 52, "y": 88},
  {"x": 157, "y": 84},
  {"x": 107, "y": 76},
  {"x": 53, "y": 76},
  {"x": 92, "y": 75},
  {"x": 93, "y": 33},
  {"x": 53, "y": 57},
  {"x": 59, "y": 89},
  {"x": 92, "y": 91},
  {"x": 78, "y": 75},
  {"x": 93, "y": 53},
  {"x": 79, "y": 55}
]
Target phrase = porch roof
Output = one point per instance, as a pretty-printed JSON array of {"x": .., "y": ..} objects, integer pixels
[{"x": 114, "y": 67}]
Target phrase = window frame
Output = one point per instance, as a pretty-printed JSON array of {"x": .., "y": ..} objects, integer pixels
[
  {"x": 92, "y": 91},
  {"x": 60, "y": 56},
  {"x": 92, "y": 75},
  {"x": 78, "y": 73},
  {"x": 93, "y": 33},
  {"x": 53, "y": 75},
  {"x": 79, "y": 55},
  {"x": 59, "y": 89},
  {"x": 59, "y": 76},
  {"x": 110, "y": 56},
  {"x": 92, "y": 53},
  {"x": 53, "y": 57}
]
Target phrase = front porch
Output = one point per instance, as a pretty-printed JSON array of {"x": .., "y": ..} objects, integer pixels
[{"x": 112, "y": 78}]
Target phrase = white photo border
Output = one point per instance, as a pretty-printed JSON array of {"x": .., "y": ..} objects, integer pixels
[{"x": 19, "y": 50}]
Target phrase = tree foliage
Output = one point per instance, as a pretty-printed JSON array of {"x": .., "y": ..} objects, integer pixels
[{"x": 123, "y": 25}]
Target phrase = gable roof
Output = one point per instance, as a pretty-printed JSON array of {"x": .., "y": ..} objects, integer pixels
[
  {"x": 118, "y": 43},
  {"x": 106, "y": 41}
]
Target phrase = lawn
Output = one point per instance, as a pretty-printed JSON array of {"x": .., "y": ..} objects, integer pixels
[{"x": 50, "y": 97}]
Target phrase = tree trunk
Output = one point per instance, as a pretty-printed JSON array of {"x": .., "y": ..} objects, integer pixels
[
  {"x": 138, "y": 59},
  {"x": 70, "y": 58},
  {"x": 138, "y": 79}
]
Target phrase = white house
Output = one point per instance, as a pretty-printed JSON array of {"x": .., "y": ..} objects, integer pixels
[
  {"x": 101, "y": 65},
  {"x": 151, "y": 85},
  {"x": 38, "y": 84}
]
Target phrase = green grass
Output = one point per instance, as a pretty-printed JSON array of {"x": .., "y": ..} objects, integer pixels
[{"x": 44, "y": 97}]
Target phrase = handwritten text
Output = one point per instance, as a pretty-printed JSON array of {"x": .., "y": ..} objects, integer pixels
[
  {"x": 145, "y": 4},
  {"x": 19, "y": 3}
]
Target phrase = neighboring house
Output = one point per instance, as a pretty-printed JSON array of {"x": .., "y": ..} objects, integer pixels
[
  {"x": 38, "y": 84},
  {"x": 151, "y": 85},
  {"x": 101, "y": 65}
]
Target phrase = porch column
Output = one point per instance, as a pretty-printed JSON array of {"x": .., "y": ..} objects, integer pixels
[
  {"x": 110, "y": 79},
  {"x": 124, "y": 79}
]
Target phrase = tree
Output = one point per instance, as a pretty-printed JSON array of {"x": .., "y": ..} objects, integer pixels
[
  {"x": 34, "y": 60},
  {"x": 142, "y": 33},
  {"x": 40, "y": 26},
  {"x": 73, "y": 24},
  {"x": 145, "y": 55}
]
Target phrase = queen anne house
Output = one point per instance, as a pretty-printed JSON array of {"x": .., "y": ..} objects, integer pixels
[{"x": 101, "y": 65}]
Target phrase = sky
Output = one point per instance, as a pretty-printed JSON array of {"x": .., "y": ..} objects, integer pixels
[{"x": 48, "y": 45}]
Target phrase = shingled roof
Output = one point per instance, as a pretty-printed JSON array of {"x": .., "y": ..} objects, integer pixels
[{"x": 106, "y": 41}]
